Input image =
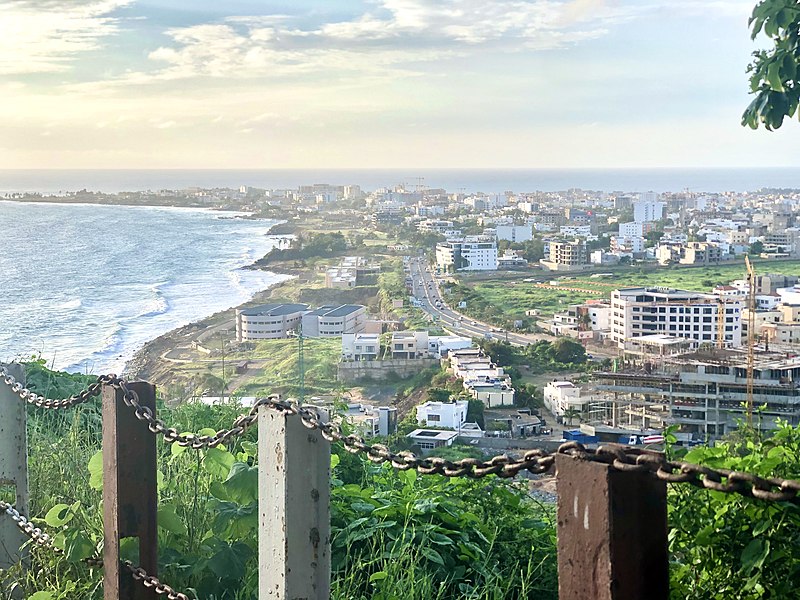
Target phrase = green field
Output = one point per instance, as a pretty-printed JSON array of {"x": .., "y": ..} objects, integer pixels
[{"x": 512, "y": 299}]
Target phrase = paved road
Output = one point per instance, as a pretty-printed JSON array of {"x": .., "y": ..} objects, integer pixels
[{"x": 426, "y": 289}]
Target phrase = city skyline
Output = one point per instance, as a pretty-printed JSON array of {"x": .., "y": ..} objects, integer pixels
[{"x": 380, "y": 83}]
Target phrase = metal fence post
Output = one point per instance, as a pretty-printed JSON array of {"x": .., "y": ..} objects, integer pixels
[
  {"x": 13, "y": 466},
  {"x": 612, "y": 533},
  {"x": 294, "y": 509},
  {"x": 129, "y": 491}
]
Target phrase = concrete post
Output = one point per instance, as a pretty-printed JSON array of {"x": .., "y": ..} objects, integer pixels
[
  {"x": 294, "y": 509},
  {"x": 129, "y": 492},
  {"x": 612, "y": 533},
  {"x": 13, "y": 466}
]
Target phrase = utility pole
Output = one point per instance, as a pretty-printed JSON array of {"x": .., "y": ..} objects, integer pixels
[{"x": 301, "y": 365}]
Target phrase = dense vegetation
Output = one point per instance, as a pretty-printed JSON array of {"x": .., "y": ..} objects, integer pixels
[
  {"x": 396, "y": 535},
  {"x": 307, "y": 246}
]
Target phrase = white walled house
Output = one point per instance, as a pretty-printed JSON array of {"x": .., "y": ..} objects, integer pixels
[
  {"x": 360, "y": 346},
  {"x": 560, "y": 396},
  {"x": 409, "y": 344},
  {"x": 450, "y": 415}
]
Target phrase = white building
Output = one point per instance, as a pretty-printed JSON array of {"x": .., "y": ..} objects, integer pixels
[
  {"x": 634, "y": 228},
  {"x": 648, "y": 210},
  {"x": 440, "y": 345},
  {"x": 514, "y": 233},
  {"x": 450, "y": 415},
  {"x": 561, "y": 396},
  {"x": 472, "y": 253},
  {"x": 575, "y": 230},
  {"x": 268, "y": 322},
  {"x": 677, "y": 313},
  {"x": 360, "y": 346},
  {"x": 333, "y": 321},
  {"x": 409, "y": 344},
  {"x": 428, "y": 439},
  {"x": 627, "y": 244}
]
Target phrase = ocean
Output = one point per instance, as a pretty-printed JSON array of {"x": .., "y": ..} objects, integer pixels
[
  {"x": 85, "y": 286},
  {"x": 453, "y": 180}
]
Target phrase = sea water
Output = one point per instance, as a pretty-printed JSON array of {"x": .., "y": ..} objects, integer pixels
[
  {"x": 453, "y": 180},
  {"x": 85, "y": 286}
]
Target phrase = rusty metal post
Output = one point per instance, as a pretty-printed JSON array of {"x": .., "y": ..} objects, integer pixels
[
  {"x": 294, "y": 547},
  {"x": 129, "y": 492},
  {"x": 612, "y": 533},
  {"x": 13, "y": 466}
]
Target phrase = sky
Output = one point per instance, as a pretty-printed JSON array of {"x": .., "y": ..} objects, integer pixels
[{"x": 380, "y": 84}]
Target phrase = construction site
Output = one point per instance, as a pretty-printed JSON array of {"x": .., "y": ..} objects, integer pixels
[{"x": 707, "y": 392}]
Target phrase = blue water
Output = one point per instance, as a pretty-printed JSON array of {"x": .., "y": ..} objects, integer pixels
[
  {"x": 471, "y": 180},
  {"x": 85, "y": 286}
]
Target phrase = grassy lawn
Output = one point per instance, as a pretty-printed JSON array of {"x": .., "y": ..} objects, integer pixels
[{"x": 514, "y": 298}]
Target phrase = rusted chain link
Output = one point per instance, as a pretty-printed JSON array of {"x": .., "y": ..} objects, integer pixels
[
  {"x": 151, "y": 581},
  {"x": 38, "y": 536},
  {"x": 726, "y": 481},
  {"x": 189, "y": 440},
  {"x": 43, "y": 402},
  {"x": 46, "y": 541}
]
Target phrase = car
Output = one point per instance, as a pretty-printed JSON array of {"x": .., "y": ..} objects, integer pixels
[{"x": 474, "y": 323}]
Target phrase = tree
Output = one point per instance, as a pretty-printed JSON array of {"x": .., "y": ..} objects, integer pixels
[
  {"x": 570, "y": 414},
  {"x": 565, "y": 350},
  {"x": 475, "y": 412},
  {"x": 774, "y": 73},
  {"x": 438, "y": 395},
  {"x": 756, "y": 248}
]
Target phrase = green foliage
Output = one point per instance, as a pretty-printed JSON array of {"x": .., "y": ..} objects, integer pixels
[
  {"x": 315, "y": 245},
  {"x": 724, "y": 546},
  {"x": 774, "y": 73},
  {"x": 756, "y": 248},
  {"x": 475, "y": 410}
]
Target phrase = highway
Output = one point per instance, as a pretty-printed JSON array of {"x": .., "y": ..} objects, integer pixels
[{"x": 426, "y": 290}]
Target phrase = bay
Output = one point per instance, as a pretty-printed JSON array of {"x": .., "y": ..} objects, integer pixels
[{"x": 85, "y": 286}]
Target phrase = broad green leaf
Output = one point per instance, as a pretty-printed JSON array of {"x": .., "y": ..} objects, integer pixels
[
  {"x": 378, "y": 576},
  {"x": 96, "y": 471},
  {"x": 168, "y": 520},
  {"x": 59, "y": 515},
  {"x": 754, "y": 554},
  {"x": 229, "y": 562},
  {"x": 432, "y": 555},
  {"x": 42, "y": 596},
  {"x": 334, "y": 461},
  {"x": 242, "y": 483},
  {"x": 218, "y": 462}
]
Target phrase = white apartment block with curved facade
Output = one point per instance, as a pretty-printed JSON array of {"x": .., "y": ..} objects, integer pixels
[{"x": 268, "y": 322}]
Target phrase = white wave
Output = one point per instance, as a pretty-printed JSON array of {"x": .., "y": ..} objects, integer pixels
[{"x": 71, "y": 304}]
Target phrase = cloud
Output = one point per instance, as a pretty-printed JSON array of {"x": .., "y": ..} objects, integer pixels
[
  {"x": 396, "y": 34},
  {"x": 47, "y": 35}
]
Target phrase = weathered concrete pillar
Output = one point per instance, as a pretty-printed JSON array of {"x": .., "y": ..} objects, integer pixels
[
  {"x": 294, "y": 509},
  {"x": 612, "y": 533},
  {"x": 13, "y": 466}
]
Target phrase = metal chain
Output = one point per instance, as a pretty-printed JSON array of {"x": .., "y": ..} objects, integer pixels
[
  {"x": 534, "y": 461},
  {"x": 46, "y": 541},
  {"x": 38, "y": 536},
  {"x": 538, "y": 461},
  {"x": 43, "y": 402},
  {"x": 151, "y": 581},
  {"x": 189, "y": 440}
]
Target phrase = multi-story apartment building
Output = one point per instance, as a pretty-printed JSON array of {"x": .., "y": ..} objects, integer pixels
[
  {"x": 514, "y": 233},
  {"x": 268, "y": 322},
  {"x": 642, "y": 311},
  {"x": 648, "y": 210},
  {"x": 566, "y": 256},
  {"x": 705, "y": 392},
  {"x": 450, "y": 415},
  {"x": 333, "y": 321},
  {"x": 472, "y": 253}
]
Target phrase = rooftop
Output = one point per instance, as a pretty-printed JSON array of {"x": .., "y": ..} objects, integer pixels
[
  {"x": 333, "y": 310},
  {"x": 273, "y": 310}
]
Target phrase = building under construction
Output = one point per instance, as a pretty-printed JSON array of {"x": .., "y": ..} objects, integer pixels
[{"x": 704, "y": 391}]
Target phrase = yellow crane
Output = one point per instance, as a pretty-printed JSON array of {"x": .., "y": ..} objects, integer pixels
[{"x": 751, "y": 335}]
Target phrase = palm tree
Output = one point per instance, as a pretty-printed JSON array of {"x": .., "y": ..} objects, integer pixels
[{"x": 570, "y": 414}]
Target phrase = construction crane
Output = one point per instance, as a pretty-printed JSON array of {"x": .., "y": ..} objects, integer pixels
[
  {"x": 721, "y": 309},
  {"x": 751, "y": 337}
]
